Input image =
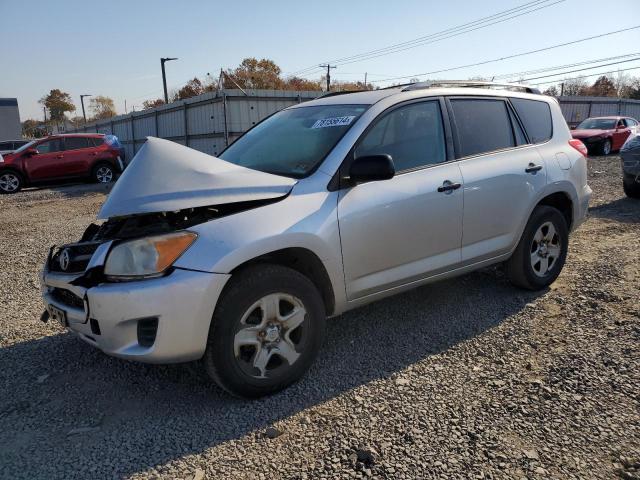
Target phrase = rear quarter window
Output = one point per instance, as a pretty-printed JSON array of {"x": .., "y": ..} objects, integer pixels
[{"x": 536, "y": 118}]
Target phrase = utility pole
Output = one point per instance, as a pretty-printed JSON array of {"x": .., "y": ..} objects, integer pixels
[
  {"x": 164, "y": 77},
  {"x": 125, "y": 107},
  {"x": 562, "y": 89},
  {"x": 328, "y": 67},
  {"x": 365, "y": 80},
  {"x": 84, "y": 115}
]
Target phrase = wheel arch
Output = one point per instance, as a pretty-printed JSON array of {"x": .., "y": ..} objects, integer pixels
[
  {"x": 561, "y": 201},
  {"x": 17, "y": 171},
  {"x": 303, "y": 261}
]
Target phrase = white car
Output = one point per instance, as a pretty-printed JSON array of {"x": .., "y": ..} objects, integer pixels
[{"x": 323, "y": 207}]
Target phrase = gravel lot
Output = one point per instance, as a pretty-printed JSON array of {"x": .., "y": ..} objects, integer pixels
[{"x": 468, "y": 378}]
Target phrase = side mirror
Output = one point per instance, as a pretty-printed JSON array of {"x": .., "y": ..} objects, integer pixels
[
  {"x": 371, "y": 168},
  {"x": 31, "y": 151}
]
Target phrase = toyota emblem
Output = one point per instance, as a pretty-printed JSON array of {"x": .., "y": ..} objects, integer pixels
[{"x": 64, "y": 260}]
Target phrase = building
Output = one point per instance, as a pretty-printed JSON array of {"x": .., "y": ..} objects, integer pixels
[{"x": 10, "y": 128}]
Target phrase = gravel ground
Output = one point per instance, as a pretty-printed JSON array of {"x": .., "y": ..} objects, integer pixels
[{"x": 468, "y": 378}]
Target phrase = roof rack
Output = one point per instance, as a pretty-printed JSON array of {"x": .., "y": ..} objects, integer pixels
[
  {"x": 470, "y": 84},
  {"x": 344, "y": 92}
]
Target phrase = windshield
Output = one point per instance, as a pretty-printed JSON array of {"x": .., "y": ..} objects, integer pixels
[
  {"x": 25, "y": 146},
  {"x": 598, "y": 124},
  {"x": 293, "y": 142}
]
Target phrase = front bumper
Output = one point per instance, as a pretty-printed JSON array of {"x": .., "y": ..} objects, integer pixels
[{"x": 182, "y": 302}]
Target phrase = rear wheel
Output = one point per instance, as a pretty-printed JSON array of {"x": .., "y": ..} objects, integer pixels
[
  {"x": 103, "y": 173},
  {"x": 266, "y": 331},
  {"x": 606, "y": 147},
  {"x": 631, "y": 186},
  {"x": 10, "y": 182},
  {"x": 540, "y": 255}
]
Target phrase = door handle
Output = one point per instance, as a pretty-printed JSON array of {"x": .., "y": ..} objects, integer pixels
[
  {"x": 533, "y": 168},
  {"x": 448, "y": 186}
]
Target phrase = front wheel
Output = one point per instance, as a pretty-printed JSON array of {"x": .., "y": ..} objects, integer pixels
[
  {"x": 265, "y": 332},
  {"x": 606, "y": 147},
  {"x": 540, "y": 255},
  {"x": 631, "y": 186},
  {"x": 103, "y": 173},
  {"x": 10, "y": 182}
]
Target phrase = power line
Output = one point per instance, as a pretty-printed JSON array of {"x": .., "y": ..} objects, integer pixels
[
  {"x": 508, "y": 57},
  {"x": 580, "y": 69},
  {"x": 586, "y": 76},
  {"x": 569, "y": 65},
  {"x": 444, "y": 34}
]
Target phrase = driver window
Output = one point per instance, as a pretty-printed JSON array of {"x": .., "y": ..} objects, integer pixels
[
  {"x": 413, "y": 135},
  {"x": 49, "y": 146},
  {"x": 621, "y": 124}
]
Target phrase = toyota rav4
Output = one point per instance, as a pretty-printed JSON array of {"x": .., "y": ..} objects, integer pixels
[{"x": 235, "y": 262}]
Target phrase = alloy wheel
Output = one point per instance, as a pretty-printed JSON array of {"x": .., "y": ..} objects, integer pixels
[
  {"x": 546, "y": 248},
  {"x": 9, "y": 182},
  {"x": 271, "y": 335},
  {"x": 104, "y": 174},
  {"x": 606, "y": 148}
]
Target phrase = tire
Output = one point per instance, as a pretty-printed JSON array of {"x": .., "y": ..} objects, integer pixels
[
  {"x": 630, "y": 186},
  {"x": 103, "y": 173},
  {"x": 241, "y": 330},
  {"x": 527, "y": 267},
  {"x": 10, "y": 182},
  {"x": 605, "y": 148}
]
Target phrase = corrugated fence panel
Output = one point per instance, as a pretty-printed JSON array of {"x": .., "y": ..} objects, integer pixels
[
  {"x": 171, "y": 124},
  {"x": 122, "y": 130},
  {"x": 631, "y": 110},
  {"x": 200, "y": 119},
  {"x": 144, "y": 127},
  {"x": 212, "y": 146},
  {"x": 603, "y": 109}
]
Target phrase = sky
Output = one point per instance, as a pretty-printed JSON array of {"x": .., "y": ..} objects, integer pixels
[{"x": 113, "y": 48}]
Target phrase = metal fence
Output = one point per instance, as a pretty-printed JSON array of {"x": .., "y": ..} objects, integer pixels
[
  {"x": 211, "y": 121},
  {"x": 576, "y": 109},
  {"x": 208, "y": 122}
]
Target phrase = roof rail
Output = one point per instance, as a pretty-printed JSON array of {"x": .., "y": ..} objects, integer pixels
[
  {"x": 470, "y": 84},
  {"x": 344, "y": 92}
]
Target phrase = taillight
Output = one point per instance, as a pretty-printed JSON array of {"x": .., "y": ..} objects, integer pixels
[{"x": 579, "y": 146}]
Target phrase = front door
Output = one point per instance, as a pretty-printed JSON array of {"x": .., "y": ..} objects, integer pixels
[
  {"x": 48, "y": 162},
  {"x": 401, "y": 230}
]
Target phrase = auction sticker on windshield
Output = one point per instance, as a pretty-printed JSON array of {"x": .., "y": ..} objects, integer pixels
[{"x": 333, "y": 122}]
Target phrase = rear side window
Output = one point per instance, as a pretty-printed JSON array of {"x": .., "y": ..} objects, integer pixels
[
  {"x": 97, "y": 141},
  {"x": 76, "y": 143},
  {"x": 482, "y": 126},
  {"x": 413, "y": 135},
  {"x": 536, "y": 117}
]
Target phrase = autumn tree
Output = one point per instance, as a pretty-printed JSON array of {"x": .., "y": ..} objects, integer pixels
[
  {"x": 253, "y": 73},
  {"x": 58, "y": 103},
  {"x": 350, "y": 86},
  {"x": 602, "y": 87},
  {"x": 33, "y": 128},
  {"x": 301, "y": 84},
  {"x": 102, "y": 107},
  {"x": 77, "y": 121},
  {"x": 575, "y": 86},
  {"x": 147, "y": 104},
  {"x": 552, "y": 91},
  {"x": 191, "y": 89}
]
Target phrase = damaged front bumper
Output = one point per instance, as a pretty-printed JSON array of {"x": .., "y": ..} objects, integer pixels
[{"x": 155, "y": 320}]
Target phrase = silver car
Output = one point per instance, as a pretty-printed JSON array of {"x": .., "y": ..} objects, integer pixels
[{"x": 235, "y": 262}]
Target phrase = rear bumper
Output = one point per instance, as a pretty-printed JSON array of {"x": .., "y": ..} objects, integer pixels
[
  {"x": 582, "y": 207},
  {"x": 182, "y": 302}
]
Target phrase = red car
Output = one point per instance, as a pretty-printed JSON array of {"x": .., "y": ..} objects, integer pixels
[
  {"x": 58, "y": 157},
  {"x": 603, "y": 135}
]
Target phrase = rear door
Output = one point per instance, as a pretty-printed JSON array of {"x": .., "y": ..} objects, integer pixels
[
  {"x": 79, "y": 155},
  {"x": 501, "y": 170},
  {"x": 401, "y": 230},
  {"x": 48, "y": 163}
]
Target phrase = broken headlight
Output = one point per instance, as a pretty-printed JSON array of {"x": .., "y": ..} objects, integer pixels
[{"x": 148, "y": 256}]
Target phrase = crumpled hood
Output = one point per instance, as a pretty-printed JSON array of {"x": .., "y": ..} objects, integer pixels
[
  {"x": 166, "y": 176},
  {"x": 588, "y": 133}
]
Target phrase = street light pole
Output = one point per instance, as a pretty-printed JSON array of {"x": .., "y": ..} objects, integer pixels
[
  {"x": 164, "y": 77},
  {"x": 84, "y": 115}
]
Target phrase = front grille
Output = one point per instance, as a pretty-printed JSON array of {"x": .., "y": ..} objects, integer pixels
[
  {"x": 67, "y": 298},
  {"x": 77, "y": 257},
  {"x": 147, "y": 330}
]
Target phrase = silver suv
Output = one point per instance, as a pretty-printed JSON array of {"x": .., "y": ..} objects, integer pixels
[{"x": 236, "y": 261}]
